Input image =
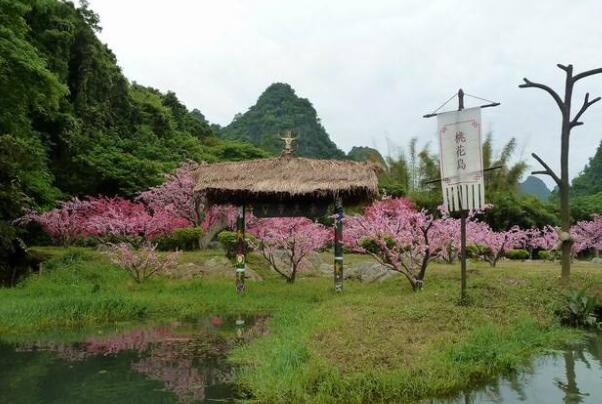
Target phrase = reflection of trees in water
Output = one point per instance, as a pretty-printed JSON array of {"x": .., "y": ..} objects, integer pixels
[
  {"x": 570, "y": 389},
  {"x": 136, "y": 340},
  {"x": 593, "y": 350},
  {"x": 182, "y": 372},
  {"x": 185, "y": 361},
  {"x": 590, "y": 355},
  {"x": 595, "y": 347}
]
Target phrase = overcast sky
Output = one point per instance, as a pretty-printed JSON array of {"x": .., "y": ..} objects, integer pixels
[{"x": 370, "y": 68}]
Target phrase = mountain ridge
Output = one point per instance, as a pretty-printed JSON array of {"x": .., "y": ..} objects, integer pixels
[
  {"x": 536, "y": 187},
  {"x": 277, "y": 109}
]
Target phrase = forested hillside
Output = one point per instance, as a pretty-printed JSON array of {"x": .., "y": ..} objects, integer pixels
[
  {"x": 278, "y": 109},
  {"x": 72, "y": 124}
]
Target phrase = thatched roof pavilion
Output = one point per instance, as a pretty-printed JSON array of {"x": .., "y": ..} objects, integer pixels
[{"x": 287, "y": 178}]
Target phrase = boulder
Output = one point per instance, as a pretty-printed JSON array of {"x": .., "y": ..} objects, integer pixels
[
  {"x": 214, "y": 266},
  {"x": 367, "y": 271}
]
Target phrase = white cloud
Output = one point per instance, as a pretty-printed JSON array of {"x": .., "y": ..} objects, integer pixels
[{"x": 371, "y": 69}]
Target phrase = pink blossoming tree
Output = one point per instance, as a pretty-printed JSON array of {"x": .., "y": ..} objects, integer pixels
[
  {"x": 143, "y": 262},
  {"x": 445, "y": 238},
  {"x": 398, "y": 236},
  {"x": 492, "y": 245},
  {"x": 445, "y": 234},
  {"x": 64, "y": 224},
  {"x": 285, "y": 242},
  {"x": 118, "y": 219},
  {"x": 109, "y": 219},
  {"x": 588, "y": 234},
  {"x": 176, "y": 194}
]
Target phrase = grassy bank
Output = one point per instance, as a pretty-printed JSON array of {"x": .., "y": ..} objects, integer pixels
[{"x": 374, "y": 342}]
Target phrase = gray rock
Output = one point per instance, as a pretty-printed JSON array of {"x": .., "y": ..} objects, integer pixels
[
  {"x": 214, "y": 266},
  {"x": 366, "y": 271},
  {"x": 597, "y": 260}
]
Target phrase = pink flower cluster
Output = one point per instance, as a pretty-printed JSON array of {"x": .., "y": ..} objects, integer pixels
[
  {"x": 397, "y": 235},
  {"x": 405, "y": 239},
  {"x": 492, "y": 245},
  {"x": 588, "y": 234},
  {"x": 177, "y": 193},
  {"x": 111, "y": 218},
  {"x": 153, "y": 213}
]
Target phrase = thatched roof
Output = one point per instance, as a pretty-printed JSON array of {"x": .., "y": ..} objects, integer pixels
[{"x": 287, "y": 178}]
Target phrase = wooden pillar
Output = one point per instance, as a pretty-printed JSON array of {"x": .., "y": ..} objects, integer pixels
[
  {"x": 338, "y": 246},
  {"x": 241, "y": 261}
]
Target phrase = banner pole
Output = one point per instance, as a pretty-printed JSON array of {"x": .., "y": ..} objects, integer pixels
[
  {"x": 462, "y": 226},
  {"x": 459, "y": 200}
]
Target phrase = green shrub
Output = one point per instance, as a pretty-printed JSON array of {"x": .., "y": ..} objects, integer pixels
[
  {"x": 548, "y": 255},
  {"x": 477, "y": 251},
  {"x": 184, "y": 239},
  {"x": 579, "y": 309},
  {"x": 229, "y": 243},
  {"x": 372, "y": 245},
  {"x": 517, "y": 254}
]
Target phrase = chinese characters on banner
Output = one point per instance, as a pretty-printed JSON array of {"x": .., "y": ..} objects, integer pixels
[{"x": 461, "y": 161}]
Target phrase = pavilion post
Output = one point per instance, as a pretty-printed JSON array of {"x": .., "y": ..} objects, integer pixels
[
  {"x": 241, "y": 259},
  {"x": 338, "y": 246}
]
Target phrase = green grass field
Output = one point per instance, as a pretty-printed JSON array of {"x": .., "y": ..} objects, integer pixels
[{"x": 373, "y": 342}]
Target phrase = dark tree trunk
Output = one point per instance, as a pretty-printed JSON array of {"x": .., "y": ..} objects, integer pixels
[
  {"x": 565, "y": 219},
  {"x": 568, "y": 124}
]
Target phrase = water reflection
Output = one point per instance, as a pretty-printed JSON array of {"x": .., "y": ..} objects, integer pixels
[
  {"x": 572, "y": 376},
  {"x": 174, "y": 362}
]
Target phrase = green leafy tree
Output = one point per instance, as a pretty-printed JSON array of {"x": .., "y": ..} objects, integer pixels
[
  {"x": 511, "y": 209},
  {"x": 507, "y": 177},
  {"x": 583, "y": 207},
  {"x": 28, "y": 88},
  {"x": 589, "y": 181},
  {"x": 586, "y": 189},
  {"x": 407, "y": 172}
]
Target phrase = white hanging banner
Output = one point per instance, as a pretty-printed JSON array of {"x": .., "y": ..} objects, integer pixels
[{"x": 461, "y": 159}]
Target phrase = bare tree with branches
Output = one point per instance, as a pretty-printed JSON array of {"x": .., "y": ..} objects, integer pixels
[{"x": 568, "y": 124}]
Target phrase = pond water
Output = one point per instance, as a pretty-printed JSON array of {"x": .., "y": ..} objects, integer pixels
[
  {"x": 184, "y": 362},
  {"x": 153, "y": 363},
  {"x": 569, "y": 376}
]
